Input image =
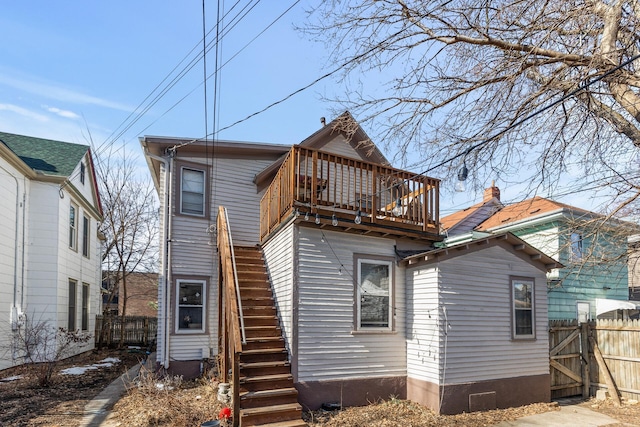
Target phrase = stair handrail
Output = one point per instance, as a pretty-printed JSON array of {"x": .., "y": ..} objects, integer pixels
[{"x": 235, "y": 278}]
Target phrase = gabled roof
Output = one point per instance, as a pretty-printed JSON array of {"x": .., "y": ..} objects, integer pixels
[
  {"x": 455, "y": 218},
  {"x": 507, "y": 241},
  {"x": 527, "y": 210},
  {"x": 345, "y": 125},
  {"x": 467, "y": 219},
  {"x": 46, "y": 156}
]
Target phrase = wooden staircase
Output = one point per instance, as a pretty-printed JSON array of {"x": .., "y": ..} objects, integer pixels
[{"x": 267, "y": 395}]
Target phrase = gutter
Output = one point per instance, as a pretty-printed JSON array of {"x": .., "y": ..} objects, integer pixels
[{"x": 166, "y": 270}]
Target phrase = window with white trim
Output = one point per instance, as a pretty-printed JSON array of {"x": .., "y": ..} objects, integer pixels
[
  {"x": 522, "y": 293},
  {"x": 85, "y": 306},
  {"x": 190, "y": 306},
  {"x": 71, "y": 305},
  {"x": 85, "y": 236},
  {"x": 374, "y": 294},
  {"x": 73, "y": 226},
  {"x": 82, "y": 172},
  {"x": 192, "y": 191}
]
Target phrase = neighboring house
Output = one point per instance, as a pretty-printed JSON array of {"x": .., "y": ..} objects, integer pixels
[
  {"x": 142, "y": 294},
  {"x": 592, "y": 248},
  {"x": 50, "y": 255},
  {"x": 343, "y": 294}
]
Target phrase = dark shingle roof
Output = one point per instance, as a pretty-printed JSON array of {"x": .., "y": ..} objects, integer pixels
[{"x": 45, "y": 155}]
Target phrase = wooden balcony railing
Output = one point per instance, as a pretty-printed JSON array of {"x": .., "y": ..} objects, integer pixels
[
  {"x": 230, "y": 336},
  {"x": 325, "y": 184}
]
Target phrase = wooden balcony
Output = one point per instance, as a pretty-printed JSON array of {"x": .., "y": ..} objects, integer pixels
[{"x": 353, "y": 195}]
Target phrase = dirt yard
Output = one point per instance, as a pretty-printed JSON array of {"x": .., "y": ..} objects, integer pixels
[{"x": 24, "y": 403}]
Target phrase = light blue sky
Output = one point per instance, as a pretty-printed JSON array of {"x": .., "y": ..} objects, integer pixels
[{"x": 73, "y": 67}]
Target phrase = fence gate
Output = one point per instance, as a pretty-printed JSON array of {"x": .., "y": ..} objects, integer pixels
[{"x": 565, "y": 358}]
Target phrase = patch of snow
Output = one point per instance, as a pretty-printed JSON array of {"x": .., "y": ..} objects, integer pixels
[
  {"x": 8, "y": 379},
  {"x": 79, "y": 370}
]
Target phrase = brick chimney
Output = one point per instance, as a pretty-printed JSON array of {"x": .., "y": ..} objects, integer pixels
[{"x": 491, "y": 192}]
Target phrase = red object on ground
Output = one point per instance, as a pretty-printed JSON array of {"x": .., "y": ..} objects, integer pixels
[{"x": 225, "y": 414}]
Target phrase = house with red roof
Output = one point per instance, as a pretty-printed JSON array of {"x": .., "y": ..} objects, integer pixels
[{"x": 591, "y": 247}]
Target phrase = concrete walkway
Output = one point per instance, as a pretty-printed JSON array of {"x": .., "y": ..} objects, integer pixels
[
  {"x": 570, "y": 414},
  {"x": 96, "y": 412}
]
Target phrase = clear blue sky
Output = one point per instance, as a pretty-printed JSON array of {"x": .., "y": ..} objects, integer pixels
[{"x": 74, "y": 67}]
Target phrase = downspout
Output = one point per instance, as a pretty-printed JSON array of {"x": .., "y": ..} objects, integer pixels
[
  {"x": 15, "y": 315},
  {"x": 168, "y": 168}
]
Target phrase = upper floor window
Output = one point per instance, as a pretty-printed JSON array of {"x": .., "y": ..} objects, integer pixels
[
  {"x": 576, "y": 247},
  {"x": 374, "y": 294},
  {"x": 192, "y": 191},
  {"x": 82, "y": 172},
  {"x": 522, "y": 308},
  {"x": 73, "y": 227},
  {"x": 85, "y": 236}
]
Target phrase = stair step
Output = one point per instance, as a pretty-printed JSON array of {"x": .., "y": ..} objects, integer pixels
[
  {"x": 270, "y": 414},
  {"x": 262, "y": 331},
  {"x": 263, "y": 342},
  {"x": 266, "y": 382},
  {"x": 262, "y": 398},
  {"x": 261, "y": 320},
  {"x": 262, "y": 378},
  {"x": 264, "y": 355}
]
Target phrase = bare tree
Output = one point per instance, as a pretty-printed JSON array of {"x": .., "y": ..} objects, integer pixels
[
  {"x": 459, "y": 77},
  {"x": 130, "y": 224}
]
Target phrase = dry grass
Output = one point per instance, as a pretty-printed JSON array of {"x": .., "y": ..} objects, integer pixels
[
  {"x": 401, "y": 412},
  {"x": 191, "y": 403},
  {"x": 168, "y": 401}
]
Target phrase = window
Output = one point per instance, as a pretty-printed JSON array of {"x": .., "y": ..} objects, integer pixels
[
  {"x": 73, "y": 242},
  {"x": 374, "y": 294},
  {"x": 576, "y": 246},
  {"x": 85, "y": 236},
  {"x": 71, "y": 324},
  {"x": 85, "y": 306},
  {"x": 192, "y": 200},
  {"x": 523, "y": 308},
  {"x": 584, "y": 312},
  {"x": 191, "y": 303},
  {"x": 82, "y": 173}
]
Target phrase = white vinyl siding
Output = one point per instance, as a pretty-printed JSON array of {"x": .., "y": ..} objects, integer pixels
[
  {"x": 328, "y": 345},
  {"x": 474, "y": 312},
  {"x": 193, "y": 248},
  {"x": 279, "y": 258}
]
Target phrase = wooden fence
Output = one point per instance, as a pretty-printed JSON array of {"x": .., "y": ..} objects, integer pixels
[
  {"x": 597, "y": 355},
  {"x": 127, "y": 330}
]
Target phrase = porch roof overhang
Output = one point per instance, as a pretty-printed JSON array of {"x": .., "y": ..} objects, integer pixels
[{"x": 508, "y": 241}]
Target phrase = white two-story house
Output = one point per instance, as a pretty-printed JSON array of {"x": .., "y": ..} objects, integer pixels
[{"x": 50, "y": 254}]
